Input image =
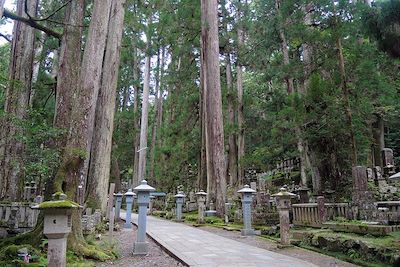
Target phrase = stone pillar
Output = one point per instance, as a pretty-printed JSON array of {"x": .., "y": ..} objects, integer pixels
[
  {"x": 118, "y": 202},
  {"x": 179, "y": 198},
  {"x": 143, "y": 199},
  {"x": 247, "y": 200},
  {"x": 57, "y": 225},
  {"x": 321, "y": 209},
  {"x": 129, "y": 203},
  {"x": 201, "y": 207},
  {"x": 283, "y": 205},
  {"x": 228, "y": 207}
]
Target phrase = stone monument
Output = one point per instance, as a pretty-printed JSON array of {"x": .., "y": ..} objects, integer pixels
[
  {"x": 129, "y": 203},
  {"x": 57, "y": 226},
  {"x": 283, "y": 205},
  {"x": 143, "y": 199},
  {"x": 247, "y": 199},
  {"x": 201, "y": 200},
  {"x": 118, "y": 202},
  {"x": 179, "y": 198}
]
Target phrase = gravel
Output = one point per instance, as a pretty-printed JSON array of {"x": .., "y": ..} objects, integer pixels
[{"x": 155, "y": 258}]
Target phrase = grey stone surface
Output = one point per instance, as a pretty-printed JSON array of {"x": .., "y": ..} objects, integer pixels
[{"x": 198, "y": 248}]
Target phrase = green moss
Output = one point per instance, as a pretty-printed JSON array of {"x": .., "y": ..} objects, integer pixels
[
  {"x": 9, "y": 256},
  {"x": 60, "y": 204}
]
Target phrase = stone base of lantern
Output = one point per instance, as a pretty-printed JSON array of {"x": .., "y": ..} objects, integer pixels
[
  {"x": 140, "y": 248},
  {"x": 247, "y": 232},
  {"x": 56, "y": 254}
]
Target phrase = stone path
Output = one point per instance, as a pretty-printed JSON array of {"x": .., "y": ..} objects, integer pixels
[{"x": 196, "y": 247}]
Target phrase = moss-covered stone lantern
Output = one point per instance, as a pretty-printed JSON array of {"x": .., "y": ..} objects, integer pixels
[
  {"x": 283, "y": 205},
  {"x": 57, "y": 226}
]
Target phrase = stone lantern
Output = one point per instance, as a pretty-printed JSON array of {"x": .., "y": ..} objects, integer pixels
[
  {"x": 179, "y": 198},
  {"x": 283, "y": 205},
  {"x": 201, "y": 200},
  {"x": 129, "y": 203},
  {"x": 57, "y": 226},
  {"x": 143, "y": 199},
  {"x": 118, "y": 202},
  {"x": 247, "y": 200}
]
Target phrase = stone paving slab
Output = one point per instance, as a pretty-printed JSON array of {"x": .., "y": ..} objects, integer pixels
[{"x": 199, "y": 248}]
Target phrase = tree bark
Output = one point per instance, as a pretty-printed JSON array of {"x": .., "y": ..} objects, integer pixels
[
  {"x": 69, "y": 68},
  {"x": 215, "y": 131},
  {"x": 345, "y": 92},
  {"x": 239, "y": 84},
  {"x": 135, "y": 178},
  {"x": 144, "y": 120},
  {"x": 100, "y": 160},
  {"x": 16, "y": 105},
  {"x": 158, "y": 112}
]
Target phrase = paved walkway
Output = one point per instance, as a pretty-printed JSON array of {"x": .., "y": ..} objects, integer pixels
[{"x": 196, "y": 247}]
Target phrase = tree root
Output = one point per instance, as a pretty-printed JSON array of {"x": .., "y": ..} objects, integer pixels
[{"x": 87, "y": 251}]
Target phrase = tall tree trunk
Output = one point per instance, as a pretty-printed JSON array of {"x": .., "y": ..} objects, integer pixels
[
  {"x": 73, "y": 171},
  {"x": 233, "y": 148},
  {"x": 136, "y": 142},
  {"x": 239, "y": 84},
  {"x": 215, "y": 131},
  {"x": 378, "y": 134},
  {"x": 155, "y": 126},
  {"x": 144, "y": 119},
  {"x": 345, "y": 91},
  {"x": 158, "y": 112},
  {"x": 36, "y": 66},
  {"x": 100, "y": 160},
  {"x": 202, "y": 171},
  {"x": 69, "y": 68},
  {"x": 16, "y": 104}
]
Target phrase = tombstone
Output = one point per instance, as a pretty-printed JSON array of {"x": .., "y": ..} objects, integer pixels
[
  {"x": 378, "y": 173},
  {"x": 247, "y": 200},
  {"x": 211, "y": 211},
  {"x": 57, "y": 226},
  {"x": 360, "y": 181},
  {"x": 283, "y": 205},
  {"x": 118, "y": 202},
  {"x": 201, "y": 200},
  {"x": 321, "y": 209},
  {"x": 370, "y": 174},
  {"x": 303, "y": 194},
  {"x": 261, "y": 184},
  {"x": 143, "y": 199},
  {"x": 129, "y": 203},
  {"x": 179, "y": 198},
  {"x": 363, "y": 199},
  {"x": 27, "y": 192},
  {"x": 387, "y": 157}
]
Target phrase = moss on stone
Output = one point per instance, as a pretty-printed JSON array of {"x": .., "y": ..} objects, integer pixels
[{"x": 60, "y": 204}]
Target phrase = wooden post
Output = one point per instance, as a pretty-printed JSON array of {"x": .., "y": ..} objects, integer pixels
[{"x": 110, "y": 200}]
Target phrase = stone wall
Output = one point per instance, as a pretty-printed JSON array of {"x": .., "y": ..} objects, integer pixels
[{"x": 17, "y": 217}]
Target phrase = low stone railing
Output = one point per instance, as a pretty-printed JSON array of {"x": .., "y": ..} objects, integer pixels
[
  {"x": 18, "y": 216},
  {"x": 308, "y": 214},
  {"x": 388, "y": 211}
]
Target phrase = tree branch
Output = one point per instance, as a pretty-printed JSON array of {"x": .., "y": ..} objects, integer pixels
[
  {"x": 32, "y": 23},
  {"x": 5, "y": 37}
]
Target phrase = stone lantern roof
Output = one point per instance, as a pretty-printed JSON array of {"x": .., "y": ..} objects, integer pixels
[
  {"x": 283, "y": 193},
  {"x": 247, "y": 189},
  {"x": 59, "y": 201},
  {"x": 129, "y": 193},
  {"x": 201, "y": 193},
  {"x": 180, "y": 194},
  {"x": 144, "y": 187}
]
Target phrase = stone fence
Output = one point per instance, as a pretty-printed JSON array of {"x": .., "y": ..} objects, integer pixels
[
  {"x": 18, "y": 217},
  {"x": 309, "y": 214},
  {"x": 388, "y": 211}
]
